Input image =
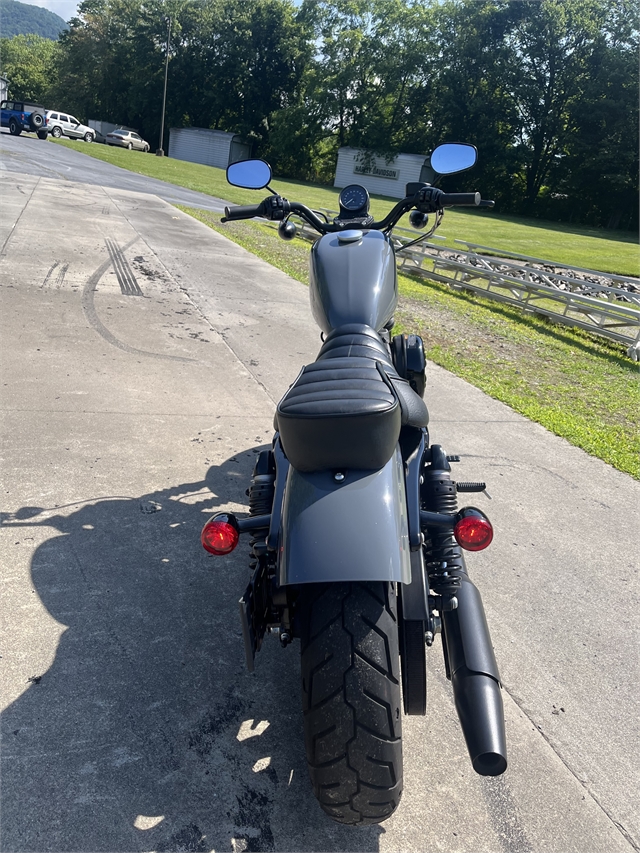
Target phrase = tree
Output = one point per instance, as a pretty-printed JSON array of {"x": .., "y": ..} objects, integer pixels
[
  {"x": 465, "y": 94},
  {"x": 30, "y": 64},
  {"x": 596, "y": 179},
  {"x": 368, "y": 54},
  {"x": 551, "y": 44},
  {"x": 548, "y": 91},
  {"x": 232, "y": 64}
]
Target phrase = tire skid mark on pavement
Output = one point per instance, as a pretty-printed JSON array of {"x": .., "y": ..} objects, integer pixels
[
  {"x": 91, "y": 314},
  {"x": 126, "y": 278},
  {"x": 47, "y": 277},
  {"x": 61, "y": 274}
]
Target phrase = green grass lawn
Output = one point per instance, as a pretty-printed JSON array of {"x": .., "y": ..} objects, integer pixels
[
  {"x": 608, "y": 251},
  {"x": 579, "y": 386}
]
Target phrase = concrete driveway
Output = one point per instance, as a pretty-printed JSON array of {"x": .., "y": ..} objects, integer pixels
[
  {"x": 142, "y": 357},
  {"x": 28, "y": 155}
]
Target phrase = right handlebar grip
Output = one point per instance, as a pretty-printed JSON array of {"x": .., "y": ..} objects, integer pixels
[
  {"x": 245, "y": 211},
  {"x": 449, "y": 199}
]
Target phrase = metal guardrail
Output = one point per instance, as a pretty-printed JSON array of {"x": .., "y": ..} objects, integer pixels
[
  {"x": 612, "y": 311},
  {"x": 500, "y": 256}
]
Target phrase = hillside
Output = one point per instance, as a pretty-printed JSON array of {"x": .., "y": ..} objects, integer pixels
[{"x": 22, "y": 19}]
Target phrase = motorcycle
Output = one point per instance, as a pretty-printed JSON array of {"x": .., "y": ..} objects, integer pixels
[{"x": 356, "y": 538}]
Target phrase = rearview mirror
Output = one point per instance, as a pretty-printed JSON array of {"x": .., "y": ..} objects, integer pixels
[
  {"x": 453, "y": 157},
  {"x": 250, "y": 174}
]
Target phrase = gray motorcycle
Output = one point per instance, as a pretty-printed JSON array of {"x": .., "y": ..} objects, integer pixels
[{"x": 356, "y": 537}]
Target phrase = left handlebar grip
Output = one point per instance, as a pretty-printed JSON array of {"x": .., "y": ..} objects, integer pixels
[{"x": 245, "y": 211}]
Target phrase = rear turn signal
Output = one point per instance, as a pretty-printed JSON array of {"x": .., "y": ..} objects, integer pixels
[
  {"x": 220, "y": 534},
  {"x": 473, "y": 530}
]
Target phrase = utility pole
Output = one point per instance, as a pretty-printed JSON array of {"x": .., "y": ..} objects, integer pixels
[{"x": 160, "y": 151}]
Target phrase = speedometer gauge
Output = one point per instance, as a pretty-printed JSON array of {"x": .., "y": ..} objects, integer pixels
[{"x": 354, "y": 198}]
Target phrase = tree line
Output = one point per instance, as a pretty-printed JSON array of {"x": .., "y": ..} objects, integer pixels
[{"x": 546, "y": 89}]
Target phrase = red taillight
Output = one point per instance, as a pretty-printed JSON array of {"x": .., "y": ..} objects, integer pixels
[
  {"x": 220, "y": 534},
  {"x": 473, "y": 530}
]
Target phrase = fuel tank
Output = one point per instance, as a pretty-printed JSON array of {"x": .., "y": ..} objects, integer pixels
[{"x": 353, "y": 279}]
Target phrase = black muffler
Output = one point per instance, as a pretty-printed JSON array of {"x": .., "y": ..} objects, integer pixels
[{"x": 472, "y": 667}]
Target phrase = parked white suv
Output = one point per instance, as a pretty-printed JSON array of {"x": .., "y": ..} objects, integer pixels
[{"x": 62, "y": 124}]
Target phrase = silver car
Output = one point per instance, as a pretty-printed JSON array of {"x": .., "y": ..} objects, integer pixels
[
  {"x": 63, "y": 124},
  {"x": 127, "y": 139}
]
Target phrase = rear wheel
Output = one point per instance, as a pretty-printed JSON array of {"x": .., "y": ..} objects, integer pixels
[
  {"x": 351, "y": 698},
  {"x": 57, "y": 132},
  {"x": 42, "y": 134},
  {"x": 130, "y": 146}
]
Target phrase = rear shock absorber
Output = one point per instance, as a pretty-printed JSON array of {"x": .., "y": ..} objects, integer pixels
[
  {"x": 442, "y": 554},
  {"x": 262, "y": 484},
  {"x": 261, "y": 494}
]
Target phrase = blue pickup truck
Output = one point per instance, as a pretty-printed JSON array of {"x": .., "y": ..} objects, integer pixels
[{"x": 21, "y": 115}]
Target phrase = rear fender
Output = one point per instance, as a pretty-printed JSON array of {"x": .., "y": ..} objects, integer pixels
[{"x": 349, "y": 530}]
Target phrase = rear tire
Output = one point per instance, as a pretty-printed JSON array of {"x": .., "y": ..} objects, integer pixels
[
  {"x": 57, "y": 132},
  {"x": 351, "y": 698},
  {"x": 130, "y": 146},
  {"x": 43, "y": 134}
]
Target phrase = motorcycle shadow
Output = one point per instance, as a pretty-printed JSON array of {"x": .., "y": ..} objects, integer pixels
[{"x": 147, "y": 732}]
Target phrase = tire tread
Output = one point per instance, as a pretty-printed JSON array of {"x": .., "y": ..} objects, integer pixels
[{"x": 351, "y": 699}]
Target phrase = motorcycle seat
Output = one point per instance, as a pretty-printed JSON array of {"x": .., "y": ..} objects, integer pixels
[{"x": 346, "y": 409}]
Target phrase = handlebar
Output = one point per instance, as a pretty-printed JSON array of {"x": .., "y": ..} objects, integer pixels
[
  {"x": 428, "y": 200},
  {"x": 277, "y": 208}
]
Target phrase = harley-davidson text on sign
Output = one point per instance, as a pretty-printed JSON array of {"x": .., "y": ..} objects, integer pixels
[{"x": 377, "y": 171}]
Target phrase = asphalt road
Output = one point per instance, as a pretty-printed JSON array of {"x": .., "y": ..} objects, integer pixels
[
  {"x": 142, "y": 356},
  {"x": 28, "y": 155}
]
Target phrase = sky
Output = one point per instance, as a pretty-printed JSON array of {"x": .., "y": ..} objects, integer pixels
[{"x": 65, "y": 8}]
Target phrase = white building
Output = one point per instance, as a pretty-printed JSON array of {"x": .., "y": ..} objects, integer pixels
[
  {"x": 4, "y": 88},
  {"x": 209, "y": 147},
  {"x": 373, "y": 172}
]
